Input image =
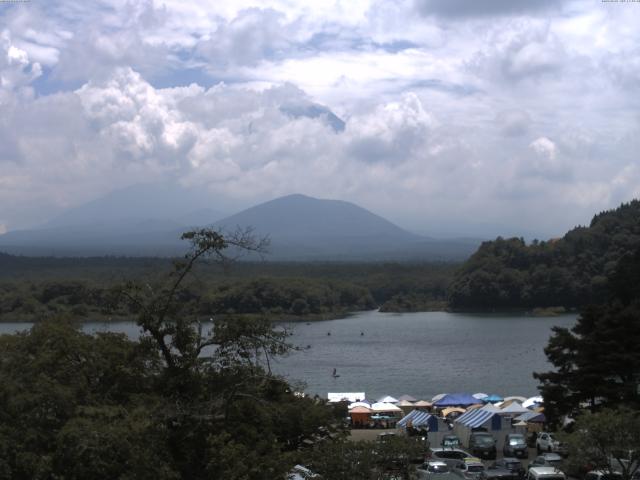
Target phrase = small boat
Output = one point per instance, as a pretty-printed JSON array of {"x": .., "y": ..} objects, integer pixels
[{"x": 335, "y": 373}]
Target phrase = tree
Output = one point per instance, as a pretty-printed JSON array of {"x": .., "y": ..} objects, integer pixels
[
  {"x": 186, "y": 400},
  {"x": 598, "y": 361},
  {"x": 608, "y": 440}
]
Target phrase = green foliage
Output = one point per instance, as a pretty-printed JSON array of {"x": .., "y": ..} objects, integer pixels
[
  {"x": 608, "y": 440},
  {"x": 597, "y": 362},
  {"x": 570, "y": 272},
  {"x": 182, "y": 402}
]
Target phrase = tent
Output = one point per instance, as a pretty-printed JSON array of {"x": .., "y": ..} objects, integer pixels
[
  {"x": 405, "y": 405},
  {"x": 358, "y": 404},
  {"x": 417, "y": 418},
  {"x": 493, "y": 398},
  {"x": 480, "y": 396},
  {"x": 345, "y": 397},
  {"x": 438, "y": 397},
  {"x": 422, "y": 404},
  {"x": 532, "y": 417},
  {"x": 517, "y": 398},
  {"x": 533, "y": 402},
  {"x": 456, "y": 400},
  {"x": 360, "y": 415},
  {"x": 406, "y": 398},
  {"x": 449, "y": 410},
  {"x": 478, "y": 418},
  {"x": 388, "y": 399},
  {"x": 437, "y": 428},
  {"x": 385, "y": 407},
  {"x": 514, "y": 407}
]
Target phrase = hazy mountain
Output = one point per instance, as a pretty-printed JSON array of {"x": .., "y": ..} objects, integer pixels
[
  {"x": 143, "y": 219},
  {"x": 302, "y": 228},
  {"x": 147, "y": 221}
]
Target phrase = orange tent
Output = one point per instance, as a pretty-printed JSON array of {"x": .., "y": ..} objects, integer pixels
[{"x": 360, "y": 415}]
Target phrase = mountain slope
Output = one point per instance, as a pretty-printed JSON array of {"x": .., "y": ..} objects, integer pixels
[{"x": 571, "y": 271}]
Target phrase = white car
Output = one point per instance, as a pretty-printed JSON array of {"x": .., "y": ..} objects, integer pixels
[
  {"x": 431, "y": 469},
  {"x": 545, "y": 442}
]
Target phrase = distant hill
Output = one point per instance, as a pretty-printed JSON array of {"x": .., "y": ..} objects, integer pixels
[
  {"x": 301, "y": 228},
  {"x": 570, "y": 272},
  {"x": 306, "y": 228},
  {"x": 141, "y": 219}
]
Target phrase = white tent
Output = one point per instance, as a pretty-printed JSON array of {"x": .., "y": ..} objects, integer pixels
[
  {"x": 407, "y": 398},
  {"x": 514, "y": 408},
  {"x": 388, "y": 399},
  {"x": 517, "y": 398},
  {"x": 385, "y": 407},
  {"x": 346, "y": 397},
  {"x": 532, "y": 402},
  {"x": 359, "y": 404},
  {"x": 440, "y": 396},
  {"x": 480, "y": 396}
]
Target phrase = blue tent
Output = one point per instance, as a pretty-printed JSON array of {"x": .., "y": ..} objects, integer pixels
[
  {"x": 420, "y": 418},
  {"x": 456, "y": 400},
  {"x": 534, "y": 417},
  {"x": 475, "y": 418},
  {"x": 493, "y": 398}
]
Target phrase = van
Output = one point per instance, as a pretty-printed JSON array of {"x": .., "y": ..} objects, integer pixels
[{"x": 545, "y": 473}]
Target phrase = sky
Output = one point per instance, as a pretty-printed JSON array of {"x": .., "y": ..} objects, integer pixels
[{"x": 448, "y": 117}]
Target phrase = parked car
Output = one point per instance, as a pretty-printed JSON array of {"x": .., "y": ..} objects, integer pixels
[
  {"x": 499, "y": 473},
  {"x": 483, "y": 445},
  {"x": 512, "y": 464},
  {"x": 470, "y": 468},
  {"x": 546, "y": 460},
  {"x": 601, "y": 475},
  {"x": 431, "y": 469},
  {"x": 545, "y": 442},
  {"x": 451, "y": 441},
  {"x": 545, "y": 473},
  {"x": 442, "y": 453},
  {"x": 515, "y": 445}
]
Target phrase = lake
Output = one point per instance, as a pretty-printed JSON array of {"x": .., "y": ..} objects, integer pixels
[{"x": 420, "y": 354}]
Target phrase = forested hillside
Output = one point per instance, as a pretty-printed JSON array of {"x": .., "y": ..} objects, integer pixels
[
  {"x": 33, "y": 289},
  {"x": 570, "y": 272}
]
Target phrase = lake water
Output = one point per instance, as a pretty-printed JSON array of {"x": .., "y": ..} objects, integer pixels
[{"x": 420, "y": 354}]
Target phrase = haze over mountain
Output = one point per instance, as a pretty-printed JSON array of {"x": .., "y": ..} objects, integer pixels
[{"x": 142, "y": 221}]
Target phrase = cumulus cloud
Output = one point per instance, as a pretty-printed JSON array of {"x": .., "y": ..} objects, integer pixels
[{"x": 470, "y": 110}]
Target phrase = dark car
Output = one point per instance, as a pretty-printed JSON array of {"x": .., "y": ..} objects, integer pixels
[
  {"x": 498, "y": 473},
  {"x": 515, "y": 445},
  {"x": 546, "y": 460},
  {"x": 482, "y": 445},
  {"x": 512, "y": 464}
]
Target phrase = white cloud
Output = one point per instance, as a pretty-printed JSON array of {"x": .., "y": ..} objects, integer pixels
[{"x": 457, "y": 113}]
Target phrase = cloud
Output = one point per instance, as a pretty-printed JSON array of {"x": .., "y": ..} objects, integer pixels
[
  {"x": 513, "y": 122},
  {"x": 464, "y": 8}
]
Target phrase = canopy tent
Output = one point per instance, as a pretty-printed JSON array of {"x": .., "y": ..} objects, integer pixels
[
  {"x": 449, "y": 410},
  {"x": 480, "y": 396},
  {"x": 517, "y": 398},
  {"x": 360, "y": 415},
  {"x": 406, "y": 398},
  {"x": 477, "y": 405},
  {"x": 385, "y": 407},
  {"x": 490, "y": 408},
  {"x": 438, "y": 397},
  {"x": 422, "y": 404},
  {"x": 345, "y": 397},
  {"x": 514, "y": 407},
  {"x": 456, "y": 400},
  {"x": 359, "y": 404},
  {"x": 533, "y": 402},
  {"x": 490, "y": 421},
  {"x": 493, "y": 398},
  {"x": 405, "y": 405},
  {"x": 532, "y": 417},
  {"x": 417, "y": 418},
  {"x": 388, "y": 399}
]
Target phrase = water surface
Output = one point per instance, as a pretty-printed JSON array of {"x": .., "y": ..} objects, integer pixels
[{"x": 421, "y": 354}]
